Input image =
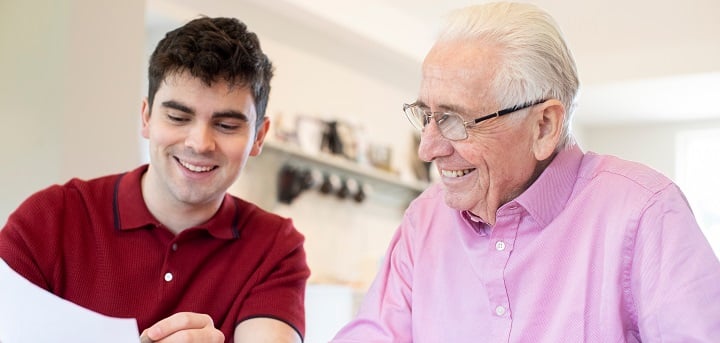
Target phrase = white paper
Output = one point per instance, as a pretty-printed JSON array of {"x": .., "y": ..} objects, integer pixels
[
  {"x": 327, "y": 309},
  {"x": 30, "y": 314}
]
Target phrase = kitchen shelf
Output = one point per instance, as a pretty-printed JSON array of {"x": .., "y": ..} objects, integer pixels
[{"x": 341, "y": 165}]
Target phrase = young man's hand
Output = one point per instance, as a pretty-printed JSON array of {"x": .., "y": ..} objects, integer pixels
[{"x": 183, "y": 327}]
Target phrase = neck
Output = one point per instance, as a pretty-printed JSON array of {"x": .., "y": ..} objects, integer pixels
[
  {"x": 489, "y": 215},
  {"x": 172, "y": 213}
]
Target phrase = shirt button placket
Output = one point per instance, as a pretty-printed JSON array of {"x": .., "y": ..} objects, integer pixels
[
  {"x": 169, "y": 275},
  {"x": 500, "y": 310}
]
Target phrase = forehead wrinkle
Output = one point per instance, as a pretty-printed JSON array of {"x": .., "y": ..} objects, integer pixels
[{"x": 458, "y": 75}]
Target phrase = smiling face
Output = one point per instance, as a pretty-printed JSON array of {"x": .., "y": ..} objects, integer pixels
[
  {"x": 200, "y": 138},
  {"x": 500, "y": 158}
]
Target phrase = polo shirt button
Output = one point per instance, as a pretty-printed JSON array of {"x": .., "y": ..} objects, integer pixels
[
  {"x": 168, "y": 276},
  {"x": 500, "y": 245},
  {"x": 500, "y": 310},
  {"x": 174, "y": 247}
]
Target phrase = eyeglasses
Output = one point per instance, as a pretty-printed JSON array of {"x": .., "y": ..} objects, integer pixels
[{"x": 451, "y": 125}]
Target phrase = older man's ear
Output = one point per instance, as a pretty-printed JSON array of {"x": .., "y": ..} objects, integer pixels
[{"x": 547, "y": 126}]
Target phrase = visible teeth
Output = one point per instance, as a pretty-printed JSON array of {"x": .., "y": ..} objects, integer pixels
[
  {"x": 455, "y": 173},
  {"x": 197, "y": 169}
]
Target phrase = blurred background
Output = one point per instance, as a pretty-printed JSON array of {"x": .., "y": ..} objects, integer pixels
[{"x": 340, "y": 159}]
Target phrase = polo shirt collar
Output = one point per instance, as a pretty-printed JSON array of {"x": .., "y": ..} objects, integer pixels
[
  {"x": 131, "y": 213},
  {"x": 547, "y": 196}
]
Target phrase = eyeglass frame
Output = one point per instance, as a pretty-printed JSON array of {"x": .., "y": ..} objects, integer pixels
[{"x": 466, "y": 124}]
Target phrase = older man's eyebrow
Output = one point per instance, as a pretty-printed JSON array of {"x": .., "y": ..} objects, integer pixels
[
  {"x": 419, "y": 103},
  {"x": 441, "y": 107}
]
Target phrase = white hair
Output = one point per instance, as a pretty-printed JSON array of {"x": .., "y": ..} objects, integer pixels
[{"x": 536, "y": 62}]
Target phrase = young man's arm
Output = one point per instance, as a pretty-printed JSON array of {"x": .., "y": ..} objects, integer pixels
[{"x": 261, "y": 330}]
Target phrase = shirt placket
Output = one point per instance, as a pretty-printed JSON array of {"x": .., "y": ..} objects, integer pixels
[
  {"x": 500, "y": 246},
  {"x": 170, "y": 271}
]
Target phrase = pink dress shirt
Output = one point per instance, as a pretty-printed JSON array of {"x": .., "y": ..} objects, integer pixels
[{"x": 597, "y": 250}]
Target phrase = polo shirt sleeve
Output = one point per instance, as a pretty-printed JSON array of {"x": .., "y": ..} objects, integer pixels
[
  {"x": 280, "y": 294},
  {"x": 675, "y": 276},
  {"x": 29, "y": 240},
  {"x": 385, "y": 314}
]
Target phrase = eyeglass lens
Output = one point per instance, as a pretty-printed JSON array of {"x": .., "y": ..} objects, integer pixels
[{"x": 451, "y": 125}]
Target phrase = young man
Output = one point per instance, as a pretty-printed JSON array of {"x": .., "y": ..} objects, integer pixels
[
  {"x": 527, "y": 238},
  {"x": 165, "y": 243}
]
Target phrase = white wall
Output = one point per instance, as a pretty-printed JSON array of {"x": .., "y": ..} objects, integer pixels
[
  {"x": 649, "y": 143},
  {"x": 315, "y": 85},
  {"x": 69, "y": 92}
]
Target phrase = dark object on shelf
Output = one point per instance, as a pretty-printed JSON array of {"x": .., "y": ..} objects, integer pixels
[
  {"x": 344, "y": 190},
  {"x": 307, "y": 180},
  {"x": 292, "y": 182},
  {"x": 288, "y": 187},
  {"x": 331, "y": 139},
  {"x": 359, "y": 191},
  {"x": 324, "y": 173},
  {"x": 326, "y": 187}
]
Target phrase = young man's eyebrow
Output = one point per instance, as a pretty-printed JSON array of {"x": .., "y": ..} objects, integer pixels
[
  {"x": 231, "y": 114},
  {"x": 222, "y": 114},
  {"x": 178, "y": 106}
]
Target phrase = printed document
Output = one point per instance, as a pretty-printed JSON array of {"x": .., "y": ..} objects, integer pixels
[{"x": 30, "y": 314}]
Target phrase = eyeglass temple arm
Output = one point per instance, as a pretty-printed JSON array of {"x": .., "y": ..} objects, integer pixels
[{"x": 508, "y": 110}]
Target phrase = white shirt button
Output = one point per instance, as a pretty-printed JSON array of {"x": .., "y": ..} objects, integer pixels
[
  {"x": 174, "y": 247},
  {"x": 500, "y": 310},
  {"x": 500, "y": 245},
  {"x": 168, "y": 277}
]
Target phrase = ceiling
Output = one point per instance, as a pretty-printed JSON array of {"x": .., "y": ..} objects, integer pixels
[{"x": 640, "y": 60}]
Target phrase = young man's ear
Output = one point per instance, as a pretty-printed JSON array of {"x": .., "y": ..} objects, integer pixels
[
  {"x": 145, "y": 117},
  {"x": 260, "y": 137},
  {"x": 550, "y": 116}
]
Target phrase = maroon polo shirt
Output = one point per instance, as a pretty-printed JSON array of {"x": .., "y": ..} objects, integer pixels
[{"x": 96, "y": 244}]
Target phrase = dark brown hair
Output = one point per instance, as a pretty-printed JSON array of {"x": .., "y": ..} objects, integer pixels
[{"x": 213, "y": 49}]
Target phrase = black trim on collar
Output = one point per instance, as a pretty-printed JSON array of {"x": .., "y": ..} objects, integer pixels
[
  {"x": 236, "y": 220},
  {"x": 116, "y": 203}
]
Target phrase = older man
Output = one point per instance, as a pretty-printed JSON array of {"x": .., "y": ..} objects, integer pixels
[{"x": 527, "y": 238}]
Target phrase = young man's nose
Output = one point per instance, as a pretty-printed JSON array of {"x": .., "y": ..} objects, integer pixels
[{"x": 201, "y": 139}]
